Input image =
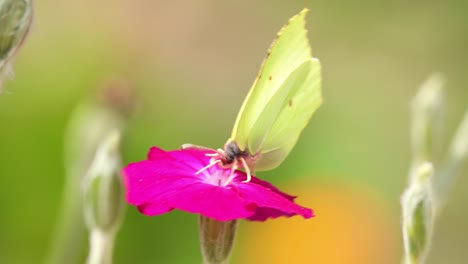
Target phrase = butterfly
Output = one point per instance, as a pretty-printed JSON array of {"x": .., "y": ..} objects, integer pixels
[{"x": 280, "y": 103}]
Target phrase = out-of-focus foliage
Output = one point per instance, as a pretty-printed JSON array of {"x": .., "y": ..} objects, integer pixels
[{"x": 193, "y": 63}]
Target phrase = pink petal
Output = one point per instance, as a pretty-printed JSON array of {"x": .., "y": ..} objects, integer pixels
[
  {"x": 152, "y": 208},
  {"x": 145, "y": 180},
  {"x": 215, "y": 202},
  {"x": 167, "y": 180},
  {"x": 157, "y": 153},
  {"x": 191, "y": 157},
  {"x": 270, "y": 203}
]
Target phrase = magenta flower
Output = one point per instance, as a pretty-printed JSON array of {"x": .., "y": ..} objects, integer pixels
[{"x": 169, "y": 180}]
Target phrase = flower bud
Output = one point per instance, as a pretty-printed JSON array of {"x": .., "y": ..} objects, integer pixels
[
  {"x": 425, "y": 115},
  {"x": 459, "y": 146},
  {"x": 418, "y": 214},
  {"x": 89, "y": 127},
  {"x": 216, "y": 239},
  {"x": 102, "y": 187},
  {"x": 15, "y": 21}
]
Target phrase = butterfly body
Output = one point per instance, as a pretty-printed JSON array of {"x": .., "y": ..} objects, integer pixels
[{"x": 231, "y": 153}]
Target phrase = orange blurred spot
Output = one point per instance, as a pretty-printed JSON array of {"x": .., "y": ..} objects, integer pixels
[{"x": 352, "y": 225}]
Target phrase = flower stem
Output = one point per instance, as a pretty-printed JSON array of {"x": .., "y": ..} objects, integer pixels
[
  {"x": 101, "y": 244},
  {"x": 216, "y": 240}
]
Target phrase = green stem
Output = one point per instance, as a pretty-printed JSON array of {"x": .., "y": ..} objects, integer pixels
[
  {"x": 69, "y": 234},
  {"x": 101, "y": 245},
  {"x": 410, "y": 260}
]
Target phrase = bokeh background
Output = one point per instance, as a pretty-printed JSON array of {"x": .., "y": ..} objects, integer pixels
[{"x": 191, "y": 63}]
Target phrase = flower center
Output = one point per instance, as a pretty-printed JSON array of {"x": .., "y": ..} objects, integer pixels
[{"x": 219, "y": 177}]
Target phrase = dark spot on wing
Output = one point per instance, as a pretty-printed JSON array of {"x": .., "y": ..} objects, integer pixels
[
  {"x": 290, "y": 102},
  {"x": 269, "y": 78}
]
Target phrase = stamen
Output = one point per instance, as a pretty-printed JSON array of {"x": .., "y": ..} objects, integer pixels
[
  {"x": 247, "y": 170},
  {"x": 212, "y": 163}
]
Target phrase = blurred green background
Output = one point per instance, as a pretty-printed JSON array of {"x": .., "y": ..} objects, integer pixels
[{"x": 191, "y": 64}]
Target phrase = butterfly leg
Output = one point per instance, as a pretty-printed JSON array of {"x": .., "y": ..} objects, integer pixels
[
  {"x": 219, "y": 153},
  {"x": 211, "y": 164},
  {"x": 193, "y": 146},
  {"x": 231, "y": 175},
  {"x": 247, "y": 170}
]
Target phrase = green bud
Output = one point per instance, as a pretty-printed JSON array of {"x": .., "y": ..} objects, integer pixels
[
  {"x": 456, "y": 158},
  {"x": 459, "y": 145},
  {"x": 216, "y": 240},
  {"x": 426, "y": 111},
  {"x": 418, "y": 214},
  {"x": 15, "y": 21},
  {"x": 103, "y": 190},
  {"x": 89, "y": 127}
]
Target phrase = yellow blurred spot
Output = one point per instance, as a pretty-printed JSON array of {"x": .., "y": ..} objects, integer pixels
[{"x": 351, "y": 226}]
